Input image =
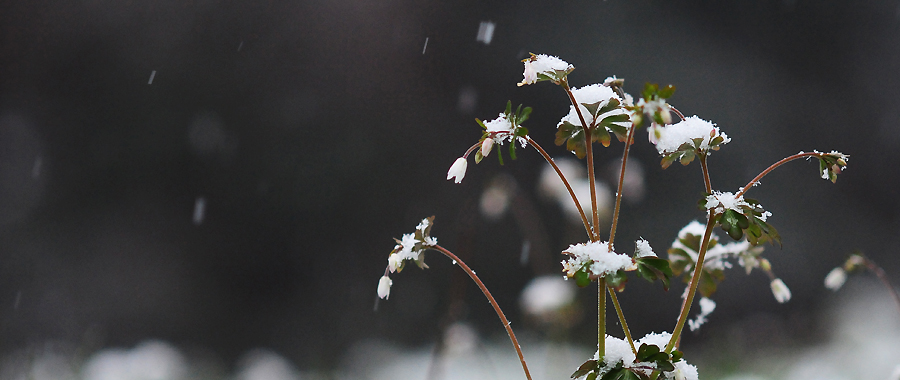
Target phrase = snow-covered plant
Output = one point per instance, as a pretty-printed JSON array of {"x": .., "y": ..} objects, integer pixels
[{"x": 697, "y": 255}]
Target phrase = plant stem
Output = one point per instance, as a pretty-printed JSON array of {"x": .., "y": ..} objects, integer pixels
[
  {"x": 695, "y": 281},
  {"x": 705, "y": 169},
  {"x": 881, "y": 276},
  {"x": 615, "y": 220},
  {"x": 677, "y": 112},
  {"x": 587, "y": 226},
  {"x": 590, "y": 160},
  {"x": 487, "y": 294},
  {"x": 601, "y": 319},
  {"x": 615, "y": 300},
  {"x": 772, "y": 167}
]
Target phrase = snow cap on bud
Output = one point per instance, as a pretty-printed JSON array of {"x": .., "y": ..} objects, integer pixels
[
  {"x": 546, "y": 65},
  {"x": 384, "y": 287},
  {"x": 486, "y": 146},
  {"x": 780, "y": 290},
  {"x": 835, "y": 279},
  {"x": 457, "y": 170}
]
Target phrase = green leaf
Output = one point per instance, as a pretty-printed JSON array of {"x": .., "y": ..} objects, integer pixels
[
  {"x": 521, "y": 131},
  {"x": 592, "y": 108},
  {"x": 512, "y": 149},
  {"x": 617, "y": 280},
  {"x": 582, "y": 279},
  {"x": 667, "y": 92},
  {"x": 601, "y": 136},
  {"x": 653, "y": 268},
  {"x": 478, "y": 156},
  {"x": 500, "y": 156},
  {"x": 646, "y": 350},
  {"x": 585, "y": 367},
  {"x": 526, "y": 113},
  {"x": 508, "y": 107},
  {"x": 611, "y": 105},
  {"x": 676, "y": 356},
  {"x": 480, "y": 123}
]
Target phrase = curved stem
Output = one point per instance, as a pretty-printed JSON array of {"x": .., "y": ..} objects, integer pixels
[
  {"x": 881, "y": 276},
  {"x": 472, "y": 149},
  {"x": 615, "y": 220},
  {"x": 695, "y": 281},
  {"x": 615, "y": 300},
  {"x": 584, "y": 220},
  {"x": 772, "y": 167},
  {"x": 677, "y": 112},
  {"x": 487, "y": 294}
]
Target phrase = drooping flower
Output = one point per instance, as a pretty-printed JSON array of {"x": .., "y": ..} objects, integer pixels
[
  {"x": 384, "y": 287},
  {"x": 780, "y": 290},
  {"x": 835, "y": 279},
  {"x": 486, "y": 146},
  {"x": 550, "y": 67},
  {"x": 457, "y": 170}
]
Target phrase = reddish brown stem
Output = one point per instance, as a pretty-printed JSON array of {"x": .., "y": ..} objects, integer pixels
[
  {"x": 487, "y": 294},
  {"x": 587, "y": 226},
  {"x": 590, "y": 161},
  {"x": 883, "y": 277},
  {"x": 615, "y": 220},
  {"x": 772, "y": 167}
]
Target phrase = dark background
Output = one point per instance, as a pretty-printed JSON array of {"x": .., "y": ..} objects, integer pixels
[{"x": 316, "y": 131}]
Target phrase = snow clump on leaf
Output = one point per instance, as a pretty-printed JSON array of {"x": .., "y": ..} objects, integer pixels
[{"x": 670, "y": 138}]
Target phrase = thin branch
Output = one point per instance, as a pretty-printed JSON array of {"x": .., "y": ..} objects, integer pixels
[
  {"x": 615, "y": 220},
  {"x": 612, "y": 294},
  {"x": 587, "y": 226},
  {"x": 677, "y": 112},
  {"x": 590, "y": 160},
  {"x": 487, "y": 294},
  {"x": 881, "y": 276},
  {"x": 772, "y": 167},
  {"x": 695, "y": 281}
]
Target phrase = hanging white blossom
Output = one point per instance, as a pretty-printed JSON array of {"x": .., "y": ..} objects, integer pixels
[
  {"x": 457, "y": 170},
  {"x": 835, "y": 279},
  {"x": 780, "y": 290}
]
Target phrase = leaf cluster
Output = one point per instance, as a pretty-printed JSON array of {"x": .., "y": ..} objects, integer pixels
[
  {"x": 831, "y": 164},
  {"x": 746, "y": 222},
  {"x": 686, "y": 153},
  {"x": 516, "y": 119},
  {"x": 573, "y": 136},
  {"x": 650, "y": 354}
]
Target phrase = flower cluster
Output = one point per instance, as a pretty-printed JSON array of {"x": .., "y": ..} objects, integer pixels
[{"x": 410, "y": 247}]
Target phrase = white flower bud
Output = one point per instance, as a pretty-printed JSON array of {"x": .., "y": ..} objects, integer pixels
[
  {"x": 457, "y": 170},
  {"x": 486, "y": 146},
  {"x": 780, "y": 290},
  {"x": 835, "y": 279},
  {"x": 384, "y": 287}
]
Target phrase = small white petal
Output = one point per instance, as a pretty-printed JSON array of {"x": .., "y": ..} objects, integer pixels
[
  {"x": 457, "y": 170},
  {"x": 780, "y": 290},
  {"x": 835, "y": 279},
  {"x": 384, "y": 287}
]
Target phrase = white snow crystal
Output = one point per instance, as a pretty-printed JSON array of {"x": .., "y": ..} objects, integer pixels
[
  {"x": 706, "y": 307},
  {"x": 602, "y": 261},
  {"x": 486, "y": 32},
  {"x": 543, "y": 64},
  {"x": 673, "y": 136},
  {"x": 589, "y": 95},
  {"x": 642, "y": 249}
]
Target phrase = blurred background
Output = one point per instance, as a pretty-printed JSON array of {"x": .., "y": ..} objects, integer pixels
[{"x": 205, "y": 189}]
